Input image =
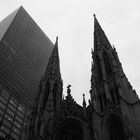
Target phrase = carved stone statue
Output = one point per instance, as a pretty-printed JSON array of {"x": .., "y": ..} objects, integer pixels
[{"x": 68, "y": 89}]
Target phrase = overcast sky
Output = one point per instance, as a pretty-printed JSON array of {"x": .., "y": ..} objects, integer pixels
[{"x": 72, "y": 21}]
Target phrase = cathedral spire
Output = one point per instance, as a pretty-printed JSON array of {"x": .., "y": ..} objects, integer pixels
[
  {"x": 100, "y": 39},
  {"x": 101, "y": 68},
  {"x": 55, "y": 50},
  {"x": 97, "y": 26},
  {"x": 53, "y": 67}
]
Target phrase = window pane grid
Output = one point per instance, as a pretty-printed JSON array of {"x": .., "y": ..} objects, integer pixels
[
  {"x": 12, "y": 107},
  {"x": 10, "y": 112},
  {"x": 14, "y": 118},
  {"x": 5, "y": 94},
  {"x": 16, "y": 130},
  {"x": 2, "y": 105},
  {"x": 14, "y": 135},
  {"x": 1, "y": 111},
  {"x": 18, "y": 119},
  {"x": 5, "y": 129},
  {"x": 9, "y": 118},
  {"x": 13, "y": 102},
  {"x": 21, "y": 108},
  {"x": 3, "y": 100},
  {"x": 20, "y": 114},
  {"x": 7, "y": 123},
  {"x": 17, "y": 124}
]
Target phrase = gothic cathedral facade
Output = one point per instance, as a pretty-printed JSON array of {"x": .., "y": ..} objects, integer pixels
[{"x": 113, "y": 112}]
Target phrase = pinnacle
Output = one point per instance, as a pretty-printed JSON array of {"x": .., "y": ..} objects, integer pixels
[
  {"x": 56, "y": 42},
  {"x": 57, "y": 38},
  {"x": 84, "y": 102}
]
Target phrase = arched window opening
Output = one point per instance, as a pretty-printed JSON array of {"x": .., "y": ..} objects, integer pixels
[
  {"x": 55, "y": 89},
  {"x": 107, "y": 63},
  {"x": 99, "y": 69},
  {"x": 46, "y": 94}
]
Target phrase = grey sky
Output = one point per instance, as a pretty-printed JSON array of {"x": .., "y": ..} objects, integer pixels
[{"x": 72, "y": 21}]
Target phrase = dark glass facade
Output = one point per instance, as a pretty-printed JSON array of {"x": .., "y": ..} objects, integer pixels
[
  {"x": 24, "y": 55},
  {"x": 13, "y": 115}
]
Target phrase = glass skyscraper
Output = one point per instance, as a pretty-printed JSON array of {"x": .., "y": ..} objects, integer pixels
[{"x": 24, "y": 55}]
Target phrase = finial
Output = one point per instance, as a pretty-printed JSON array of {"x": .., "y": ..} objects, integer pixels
[
  {"x": 94, "y": 15},
  {"x": 83, "y": 95}
]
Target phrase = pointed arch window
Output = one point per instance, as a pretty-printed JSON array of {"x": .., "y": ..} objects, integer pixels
[
  {"x": 99, "y": 69},
  {"x": 107, "y": 63},
  {"x": 46, "y": 93},
  {"x": 55, "y": 89}
]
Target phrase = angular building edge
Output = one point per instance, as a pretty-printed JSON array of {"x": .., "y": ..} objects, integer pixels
[
  {"x": 6, "y": 22},
  {"x": 18, "y": 44}
]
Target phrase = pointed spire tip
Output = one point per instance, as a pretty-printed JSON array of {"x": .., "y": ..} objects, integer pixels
[
  {"x": 94, "y": 15},
  {"x": 84, "y": 102},
  {"x": 56, "y": 38},
  {"x": 56, "y": 42}
]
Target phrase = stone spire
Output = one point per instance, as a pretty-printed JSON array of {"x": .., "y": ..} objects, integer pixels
[
  {"x": 101, "y": 67},
  {"x": 53, "y": 68},
  {"x": 97, "y": 26},
  {"x": 100, "y": 39}
]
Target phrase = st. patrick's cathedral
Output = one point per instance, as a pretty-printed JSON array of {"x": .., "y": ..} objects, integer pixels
[{"x": 113, "y": 111}]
